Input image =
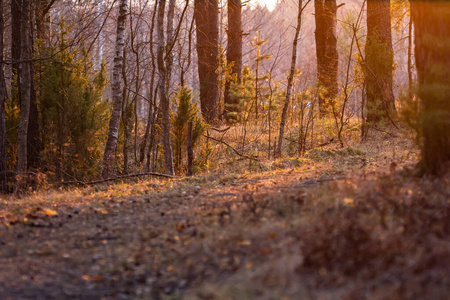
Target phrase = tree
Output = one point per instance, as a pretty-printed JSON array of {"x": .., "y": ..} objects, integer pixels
[
  {"x": 207, "y": 20},
  {"x": 3, "y": 96},
  {"x": 234, "y": 56},
  {"x": 327, "y": 53},
  {"x": 111, "y": 143},
  {"x": 165, "y": 101},
  {"x": 379, "y": 64},
  {"x": 25, "y": 76},
  {"x": 287, "y": 100},
  {"x": 73, "y": 115},
  {"x": 432, "y": 47}
]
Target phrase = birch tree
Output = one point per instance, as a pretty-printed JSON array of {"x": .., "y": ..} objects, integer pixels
[
  {"x": 164, "y": 99},
  {"x": 113, "y": 133},
  {"x": 287, "y": 100}
]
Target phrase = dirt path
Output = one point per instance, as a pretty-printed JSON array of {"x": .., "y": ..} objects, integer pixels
[
  {"x": 119, "y": 246},
  {"x": 298, "y": 234}
]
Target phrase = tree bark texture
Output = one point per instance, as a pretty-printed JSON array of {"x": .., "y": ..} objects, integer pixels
[
  {"x": 25, "y": 86},
  {"x": 327, "y": 54},
  {"x": 207, "y": 23},
  {"x": 113, "y": 133},
  {"x": 42, "y": 8},
  {"x": 16, "y": 21},
  {"x": 164, "y": 99},
  {"x": 287, "y": 100},
  {"x": 234, "y": 55},
  {"x": 379, "y": 63},
  {"x": 432, "y": 47},
  {"x": 3, "y": 96}
]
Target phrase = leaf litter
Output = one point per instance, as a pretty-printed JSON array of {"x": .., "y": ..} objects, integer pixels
[{"x": 334, "y": 228}]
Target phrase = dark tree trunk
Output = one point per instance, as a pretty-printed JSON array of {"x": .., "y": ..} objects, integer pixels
[
  {"x": 113, "y": 133},
  {"x": 34, "y": 142},
  {"x": 164, "y": 99},
  {"x": 234, "y": 55},
  {"x": 431, "y": 35},
  {"x": 379, "y": 63},
  {"x": 207, "y": 23},
  {"x": 3, "y": 96},
  {"x": 24, "y": 87},
  {"x": 16, "y": 20},
  {"x": 327, "y": 54}
]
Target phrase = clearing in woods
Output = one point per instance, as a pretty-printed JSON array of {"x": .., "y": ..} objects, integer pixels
[{"x": 351, "y": 223}]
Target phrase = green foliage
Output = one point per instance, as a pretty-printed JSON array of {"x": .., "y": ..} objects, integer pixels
[
  {"x": 186, "y": 112},
  {"x": 73, "y": 114},
  {"x": 244, "y": 93}
]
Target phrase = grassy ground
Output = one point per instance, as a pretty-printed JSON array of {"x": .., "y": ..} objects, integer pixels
[{"x": 350, "y": 223}]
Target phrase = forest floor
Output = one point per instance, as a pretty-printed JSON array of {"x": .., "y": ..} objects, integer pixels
[{"x": 352, "y": 223}]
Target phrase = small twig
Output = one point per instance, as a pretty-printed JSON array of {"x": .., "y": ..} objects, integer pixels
[
  {"x": 119, "y": 177},
  {"x": 235, "y": 151},
  {"x": 220, "y": 130},
  {"x": 326, "y": 143}
]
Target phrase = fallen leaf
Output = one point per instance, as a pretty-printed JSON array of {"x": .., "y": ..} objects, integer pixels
[
  {"x": 51, "y": 212},
  {"x": 171, "y": 268},
  {"x": 244, "y": 243},
  {"x": 349, "y": 201}
]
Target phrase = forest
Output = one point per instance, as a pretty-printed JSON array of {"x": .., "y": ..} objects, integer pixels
[{"x": 224, "y": 149}]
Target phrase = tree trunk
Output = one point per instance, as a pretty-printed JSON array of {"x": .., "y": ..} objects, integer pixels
[
  {"x": 25, "y": 87},
  {"x": 3, "y": 96},
  {"x": 234, "y": 56},
  {"x": 190, "y": 151},
  {"x": 431, "y": 36},
  {"x": 165, "y": 104},
  {"x": 42, "y": 8},
  {"x": 16, "y": 21},
  {"x": 327, "y": 54},
  {"x": 116, "y": 84},
  {"x": 152, "y": 100},
  {"x": 379, "y": 63},
  {"x": 287, "y": 100},
  {"x": 207, "y": 23}
]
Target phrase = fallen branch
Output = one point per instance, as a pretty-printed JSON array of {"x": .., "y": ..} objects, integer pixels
[
  {"x": 228, "y": 145},
  {"x": 119, "y": 177},
  {"x": 220, "y": 130},
  {"x": 326, "y": 143}
]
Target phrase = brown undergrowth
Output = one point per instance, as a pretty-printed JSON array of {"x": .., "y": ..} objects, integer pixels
[{"x": 348, "y": 223}]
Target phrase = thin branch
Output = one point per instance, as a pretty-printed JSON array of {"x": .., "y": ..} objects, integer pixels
[{"x": 228, "y": 145}]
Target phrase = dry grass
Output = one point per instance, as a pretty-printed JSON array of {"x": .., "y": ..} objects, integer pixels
[{"x": 335, "y": 224}]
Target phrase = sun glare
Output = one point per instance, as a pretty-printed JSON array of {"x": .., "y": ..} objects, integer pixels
[{"x": 269, "y": 3}]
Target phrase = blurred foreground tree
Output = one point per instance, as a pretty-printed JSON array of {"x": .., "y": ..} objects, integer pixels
[{"x": 432, "y": 47}]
